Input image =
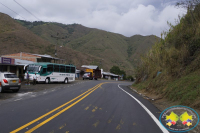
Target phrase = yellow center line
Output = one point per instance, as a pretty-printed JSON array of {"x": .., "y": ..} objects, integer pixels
[
  {"x": 37, "y": 119},
  {"x": 52, "y": 117}
]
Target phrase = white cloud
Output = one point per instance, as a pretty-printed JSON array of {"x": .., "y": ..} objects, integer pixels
[{"x": 127, "y": 17}]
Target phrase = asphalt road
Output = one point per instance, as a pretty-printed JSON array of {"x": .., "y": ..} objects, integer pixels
[{"x": 82, "y": 107}]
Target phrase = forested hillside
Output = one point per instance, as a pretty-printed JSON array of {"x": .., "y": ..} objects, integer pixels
[{"x": 172, "y": 67}]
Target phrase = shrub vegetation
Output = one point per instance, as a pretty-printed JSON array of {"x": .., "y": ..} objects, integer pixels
[{"x": 172, "y": 67}]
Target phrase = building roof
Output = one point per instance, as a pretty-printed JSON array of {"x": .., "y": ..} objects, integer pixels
[
  {"x": 109, "y": 74},
  {"x": 46, "y": 56},
  {"x": 90, "y": 66},
  {"x": 45, "y": 63},
  {"x": 19, "y": 62},
  {"x": 36, "y": 56}
]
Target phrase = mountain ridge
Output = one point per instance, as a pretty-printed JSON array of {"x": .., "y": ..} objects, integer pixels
[{"x": 78, "y": 44}]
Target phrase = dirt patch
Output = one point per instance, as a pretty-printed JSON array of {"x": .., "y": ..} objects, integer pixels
[{"x": 162, "y": 103}]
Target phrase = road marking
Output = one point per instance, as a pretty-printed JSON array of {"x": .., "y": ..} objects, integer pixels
[
  {"x": 57, "y": 114},
  {"x": 18, "y": 99},
  {"x": 37, "y": 119},
  {"x": 87, "y": 108},
  {"x": 149, "y": 112},
  {"x": 62, "y": 126},
  {"x": 118, "y": 127},
  {"x": 95, "y": 109},
  {"x": 96, "y": 124}
]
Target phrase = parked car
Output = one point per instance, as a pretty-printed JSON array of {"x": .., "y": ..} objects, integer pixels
[
  {"x": 9, "y": 81},
  {"x": 87, "y": 75}
]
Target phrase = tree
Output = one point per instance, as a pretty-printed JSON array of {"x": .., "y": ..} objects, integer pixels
[
  {"x": 130, "y": 78},
  {"x": 116, "y": 70},
  {"x": 190, "y": 5}
]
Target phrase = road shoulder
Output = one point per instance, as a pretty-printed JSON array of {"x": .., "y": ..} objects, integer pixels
[{"x": 161, "y": 102}]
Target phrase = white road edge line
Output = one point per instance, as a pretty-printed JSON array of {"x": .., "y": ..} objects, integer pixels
[{"x": 149, "y": 112}]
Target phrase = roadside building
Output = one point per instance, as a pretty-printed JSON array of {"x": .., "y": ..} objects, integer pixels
[
  {"x": 34, "y": 57},
  {"x": 108, "y": 75},
  {"x": 15, "y": 63},
  {"x": 90, "y": 67}
]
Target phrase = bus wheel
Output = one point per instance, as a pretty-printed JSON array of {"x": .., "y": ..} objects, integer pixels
[
  {"x": 66, "y": 81},
  {"x": 47, "y": 81}
]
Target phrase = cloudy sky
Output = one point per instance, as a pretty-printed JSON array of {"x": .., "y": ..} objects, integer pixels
[{"x": 126, "y": 17}]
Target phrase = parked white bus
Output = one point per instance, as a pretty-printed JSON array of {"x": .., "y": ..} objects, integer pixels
[{"x": 51, "y": 72}]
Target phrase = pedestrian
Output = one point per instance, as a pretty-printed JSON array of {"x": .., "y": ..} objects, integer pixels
[
  {"x": 34, "y": 79},
  {"x": 27, "y": 78},
  {"x": 93, "y": 76}
]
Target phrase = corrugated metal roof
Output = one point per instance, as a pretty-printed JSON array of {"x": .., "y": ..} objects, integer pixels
[
  {"x": 90, "y": 66},
  {"x": 110, "y": 74},
  {"x": 45, "y": 56},
  {"x": 19, "y": 62},
  {"x": 45, "y": 63}
]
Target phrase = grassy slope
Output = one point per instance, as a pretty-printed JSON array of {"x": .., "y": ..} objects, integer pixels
[
  {"x": 185, "y": 90},
  {"x": 102, "y": 44},
  {"x": 106, "y": 48},
  {"x": 178, "y": 58},
  {"x": 17, "y": 38},
  {"x": 137, "y": 45}
]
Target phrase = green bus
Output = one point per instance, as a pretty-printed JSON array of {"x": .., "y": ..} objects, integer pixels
[{"x": 51, "y": 72}]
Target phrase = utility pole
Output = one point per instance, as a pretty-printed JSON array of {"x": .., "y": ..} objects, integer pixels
[{"x": 56, "y": 42}]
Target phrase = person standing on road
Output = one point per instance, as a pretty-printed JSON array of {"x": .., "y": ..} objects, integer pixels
[
  {"x": 34, "y": 79},
  {"x": 27, "y": 79}
]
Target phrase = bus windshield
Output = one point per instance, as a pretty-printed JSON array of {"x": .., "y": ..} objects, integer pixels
[{"x": 33, "y": 68}]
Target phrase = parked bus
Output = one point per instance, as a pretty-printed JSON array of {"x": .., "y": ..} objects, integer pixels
[{"x": 51, "y": 72}]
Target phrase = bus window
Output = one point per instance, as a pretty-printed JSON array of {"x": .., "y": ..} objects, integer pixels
[
  {"x": 49, "y": 68},
  {"x": 56, "y": 68},
  {"x": 62, "y": 68},
  {"x": 72, "y": 69},
  {"x": 44, "y": 70},
  {"x": 67, "y": 69}
]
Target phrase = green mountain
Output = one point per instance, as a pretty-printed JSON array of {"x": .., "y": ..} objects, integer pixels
[
  {"x": 77, "y": 44},
  {"x": 110, "y": 48},
  {"x": 16, "y": 38}
]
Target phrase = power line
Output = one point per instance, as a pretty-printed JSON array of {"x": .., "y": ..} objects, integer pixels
[
  {"x": 27, "y": 10},
  {"x": 12, "y": 10}
]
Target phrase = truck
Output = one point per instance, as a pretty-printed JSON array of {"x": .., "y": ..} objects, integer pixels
[{"x": 92, "y": 74}]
